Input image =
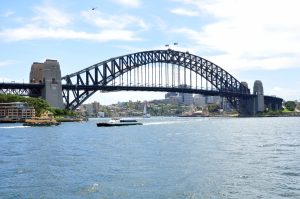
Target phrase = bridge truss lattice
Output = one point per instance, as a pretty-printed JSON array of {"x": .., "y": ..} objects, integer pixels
[{"x": 157, "y": 70}]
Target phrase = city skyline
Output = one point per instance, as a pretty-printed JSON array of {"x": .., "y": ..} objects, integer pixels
[{"x": 253, "y": 40}]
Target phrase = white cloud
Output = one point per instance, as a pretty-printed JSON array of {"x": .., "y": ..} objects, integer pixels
[
  {"x": 52, "y": 23},
  {"x": 6, "y": 63},
  {"x": 131, "y": 49},
  {"x": 184, "y": 12},
  {"x": 5, "y": 79},
  {"x": 285, "y": 93},
  {"x": 114, "y": 21},
  {"x": 250, "y": 34},
  {"x": 160, "y": 23},
  {"x": 31, "y": 32},
  {"x": 50, "y": 16},
  {"x": 129, "y": 3},
  {"x": 8, "y": 13}
]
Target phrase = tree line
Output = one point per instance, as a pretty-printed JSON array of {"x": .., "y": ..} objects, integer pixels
[{"x": 40, "y": 105}]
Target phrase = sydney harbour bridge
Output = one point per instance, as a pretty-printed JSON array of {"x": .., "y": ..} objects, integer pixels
[{"x": 156, "y": 70}]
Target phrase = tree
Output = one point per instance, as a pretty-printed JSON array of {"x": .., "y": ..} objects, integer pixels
[
  {"x": 213, "y": 108},
  {"x": 39, "y": 104},
  {"x": 290, "y": 105}
]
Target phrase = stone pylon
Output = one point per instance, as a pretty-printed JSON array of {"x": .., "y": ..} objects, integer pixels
[
  {"x": 245, "y": 104},
  {"x": 258, "y": 91},
  {"x": 49, "y": 74}
]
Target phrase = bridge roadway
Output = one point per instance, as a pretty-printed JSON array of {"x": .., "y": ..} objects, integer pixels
[
  {"x": 155, "y": 89},
  {"x": 23, "y": 89},
  {"x": 27, "y": 89}
]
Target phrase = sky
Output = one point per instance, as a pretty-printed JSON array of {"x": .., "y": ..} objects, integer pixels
[{"x": 251, "y": 39}]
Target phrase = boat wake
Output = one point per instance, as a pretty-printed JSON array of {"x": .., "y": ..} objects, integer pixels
[
  {"x": 167, "y": 122},
  {"x": 13, "y": 127}
]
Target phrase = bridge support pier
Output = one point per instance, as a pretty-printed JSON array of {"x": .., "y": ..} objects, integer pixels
[
  {"x": 246, "y": 106},
  {"x": 274, "y": 104},
  {"x": 259, "y": 102},
  {"x": 254, "y": 104},
  {"x": 49, "y": 74}
]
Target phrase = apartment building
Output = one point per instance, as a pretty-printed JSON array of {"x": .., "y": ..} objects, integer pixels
[{"x": 15, "y": 112}]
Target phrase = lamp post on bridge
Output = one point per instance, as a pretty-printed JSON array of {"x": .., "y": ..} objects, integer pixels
[
  {"x": 168, "y": 45},
  {"x": 175, "y": 44}
]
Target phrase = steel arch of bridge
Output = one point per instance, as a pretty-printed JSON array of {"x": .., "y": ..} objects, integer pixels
[{"x": 79, "y": 86}]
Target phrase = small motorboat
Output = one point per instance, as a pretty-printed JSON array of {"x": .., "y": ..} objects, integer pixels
[{"x": 119, "y": 122}]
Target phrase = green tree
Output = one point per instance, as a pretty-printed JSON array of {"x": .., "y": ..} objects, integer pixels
[
  {"x": 212, "y": 108},
  {"x": 62, "y": 112},
  {"x": 39, "y": 104},
  {"x": 290, "y": 105}
]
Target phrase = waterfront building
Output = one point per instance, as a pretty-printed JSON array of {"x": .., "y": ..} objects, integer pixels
[
  {"x": 88, "y": 109},
  {"x": 182, "y": 98},
  {"x": 185, "y": 98},
  {"x": 172, "y": 100},
  {"x": 199, "y": 100},
  {"x": 170, "y": 95},
  {"x": 95, "y": 107},
  {"x": 213, "y": 100},
  {"x": 100, "y": 114},
  {"x": 16, "y": 111}
]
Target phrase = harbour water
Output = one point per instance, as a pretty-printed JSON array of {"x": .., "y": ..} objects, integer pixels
[{"x": 164, "y": 158}]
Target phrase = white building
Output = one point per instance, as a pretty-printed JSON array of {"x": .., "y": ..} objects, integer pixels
[
  {"x": 100, "y": 114},
  {"x": 185, "y": 98},
  {"x": 199, "y": 100}
]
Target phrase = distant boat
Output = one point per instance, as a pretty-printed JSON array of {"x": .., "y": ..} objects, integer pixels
[
  {"x": 145, "y": 114},
  {"x": 119, "y": 122}
]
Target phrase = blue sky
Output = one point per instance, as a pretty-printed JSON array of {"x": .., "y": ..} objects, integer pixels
[{"x": 251, "y": 39}]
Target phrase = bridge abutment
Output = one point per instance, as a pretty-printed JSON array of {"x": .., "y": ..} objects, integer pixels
[
  {"x": 255, "y": 103},
  {"x": 258, "y": 92},
  {"x": 49, "y": 74},
  {"x": 246, "y": 105}
]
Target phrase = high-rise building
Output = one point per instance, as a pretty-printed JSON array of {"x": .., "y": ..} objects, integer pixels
[
  {"x": 170, "y": 95},
  {"x": 88, "y": 109},
  {"x": 185, "y": 98},
  {"x": 212, "y": 99},
  {"x": 95, "y": 107},
  {"x": 199, "y": 100}
]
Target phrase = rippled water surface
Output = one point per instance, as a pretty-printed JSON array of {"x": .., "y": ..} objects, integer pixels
[{"x": 164, "y": 158}]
